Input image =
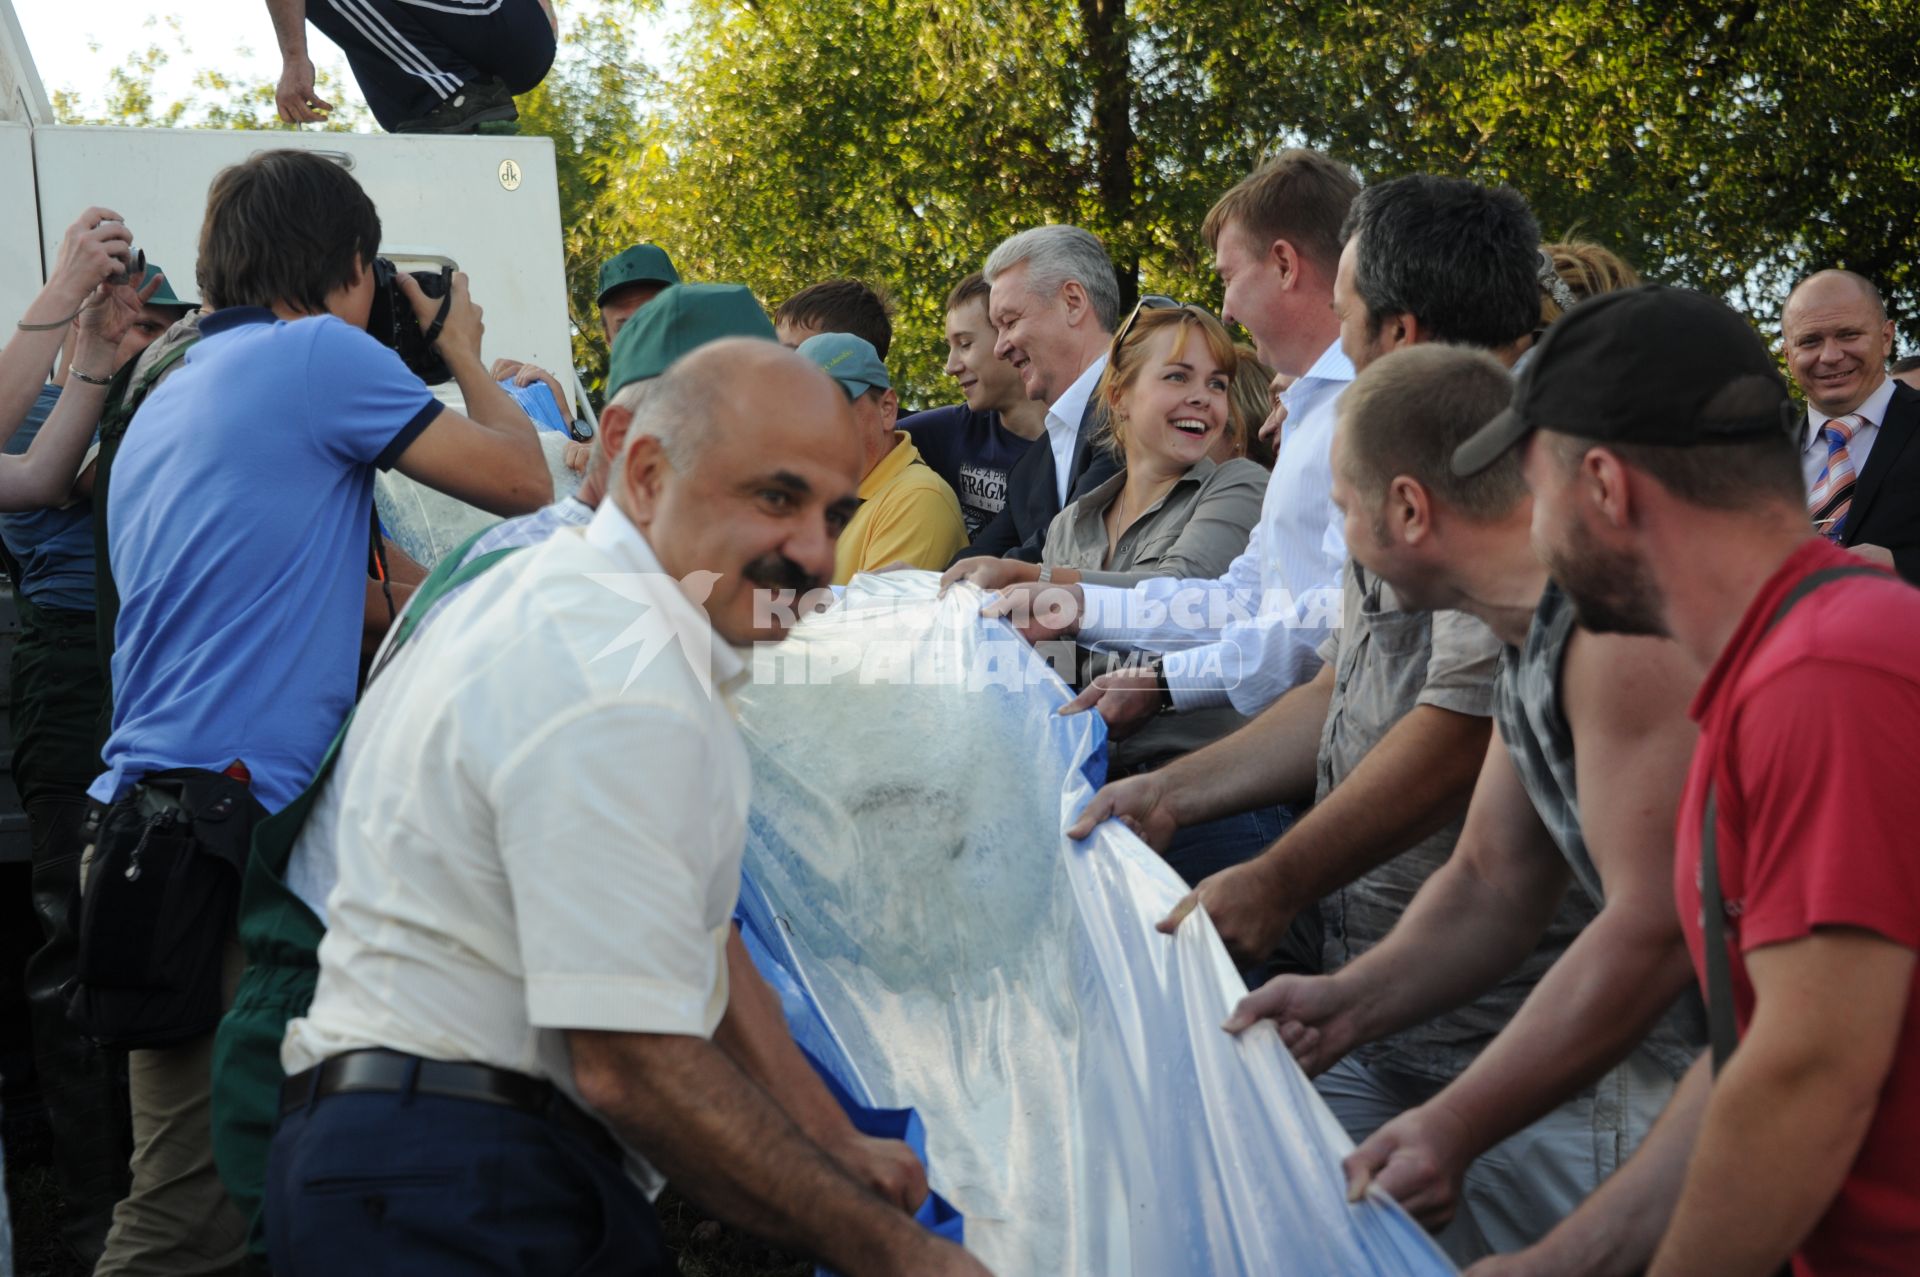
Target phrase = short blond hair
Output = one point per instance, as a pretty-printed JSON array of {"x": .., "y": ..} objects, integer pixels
[{"x": 1407, "y": 412}]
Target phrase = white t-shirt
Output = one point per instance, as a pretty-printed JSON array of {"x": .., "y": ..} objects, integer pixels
[{"x": 543, "y": 805}]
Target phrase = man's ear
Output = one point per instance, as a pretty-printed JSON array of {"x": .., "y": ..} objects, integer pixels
[
  {"x": 1073, "y": 295},
  {"x": 1608, "y": 484},
  {"x": 1285, "y": 259},
  {"x": 1399, "y": 330},
  {"x": 890, "y": 402},
  {"x": 644, "y": 471},
  {"x": 1409, "y": 509},
  {"x": 614, "y": 421}
]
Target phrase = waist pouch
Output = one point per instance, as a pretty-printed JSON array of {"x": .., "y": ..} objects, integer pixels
[{"x": 162, "y": 893}]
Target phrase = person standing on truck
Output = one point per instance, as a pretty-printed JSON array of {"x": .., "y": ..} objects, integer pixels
[
  {"x": 447, "y": 67},
  {"x": 240, "y": 515}
]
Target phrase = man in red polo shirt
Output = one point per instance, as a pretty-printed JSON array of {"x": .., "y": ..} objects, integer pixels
[{"x": 1669, "y": 499}]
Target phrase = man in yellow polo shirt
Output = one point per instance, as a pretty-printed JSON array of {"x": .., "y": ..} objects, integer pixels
[{"x": 907, "y": 514}]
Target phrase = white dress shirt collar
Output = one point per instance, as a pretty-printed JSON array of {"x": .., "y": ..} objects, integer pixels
[
  {"x": 1063, "y": 424},
  {"x": 1874, "y": 409},
  {"x": 1331, "y": 366}
]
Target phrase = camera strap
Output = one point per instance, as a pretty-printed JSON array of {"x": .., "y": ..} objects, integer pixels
[{"x": 439, "y": 321}]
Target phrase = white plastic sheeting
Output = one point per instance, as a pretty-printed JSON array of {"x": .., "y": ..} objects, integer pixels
[
  {"x": 940, "y": 945},
  {"x": 427, "y": 524}
]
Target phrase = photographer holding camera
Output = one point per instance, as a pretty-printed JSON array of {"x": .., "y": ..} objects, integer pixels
[{"x": 240, "y": 521}]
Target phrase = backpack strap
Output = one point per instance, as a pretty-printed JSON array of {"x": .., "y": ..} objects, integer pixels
[{"x": 1722, "y": 1027}]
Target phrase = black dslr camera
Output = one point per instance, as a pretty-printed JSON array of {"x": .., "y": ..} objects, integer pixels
[{"x": 393, "y": 323}]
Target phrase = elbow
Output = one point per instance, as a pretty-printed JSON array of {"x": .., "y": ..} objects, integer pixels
[{"x": 599, "y": 1077}]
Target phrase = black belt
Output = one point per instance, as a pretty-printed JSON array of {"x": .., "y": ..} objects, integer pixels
[{"x": 381, "y": 1072}]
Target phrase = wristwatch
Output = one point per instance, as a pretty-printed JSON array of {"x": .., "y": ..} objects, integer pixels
[
  {"x": 1159, "y": 667},
  {"x": 1046, "y": 573}
]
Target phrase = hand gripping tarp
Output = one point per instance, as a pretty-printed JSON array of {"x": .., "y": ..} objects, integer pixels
[{"x": 941, "y": 945}]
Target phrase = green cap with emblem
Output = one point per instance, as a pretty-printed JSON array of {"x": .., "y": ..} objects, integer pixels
[
  {"x": 641, "y": 264},
  {"x": 681, "y": 319},
  {"x": 163, "y": 295},
  {"x": 851, "y": 361}
]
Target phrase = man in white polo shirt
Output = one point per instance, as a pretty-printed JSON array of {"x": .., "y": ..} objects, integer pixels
[{"x": 544, "y": 806}]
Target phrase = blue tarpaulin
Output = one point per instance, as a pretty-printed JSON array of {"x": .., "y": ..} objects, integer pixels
[{"x": 940, "y": 946}]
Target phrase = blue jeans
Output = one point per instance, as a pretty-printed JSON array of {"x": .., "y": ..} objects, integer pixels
[
  {"x": 1199, "y": 851},
  {"x": 377, "y": 1185}
]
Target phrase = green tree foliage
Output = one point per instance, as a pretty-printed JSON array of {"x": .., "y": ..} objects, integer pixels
[
  {"x": 217, "y": 100},
  {"x": 1730, "y": 148},
  {"x": 1727, "y": 147}
]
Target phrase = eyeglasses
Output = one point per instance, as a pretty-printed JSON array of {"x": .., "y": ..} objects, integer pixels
[{"x": 1148, "y": 301}]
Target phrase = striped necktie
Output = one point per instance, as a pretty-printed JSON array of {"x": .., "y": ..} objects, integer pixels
[{"x": 1832, "y": 492}]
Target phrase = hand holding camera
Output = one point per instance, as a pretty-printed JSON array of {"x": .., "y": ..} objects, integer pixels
[
  {"x": 96, "y": 249},
  {"x": 460, "y": 329}
]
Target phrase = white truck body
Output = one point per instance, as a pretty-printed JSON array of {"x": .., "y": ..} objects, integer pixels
[{"x": 490, "y": 205}]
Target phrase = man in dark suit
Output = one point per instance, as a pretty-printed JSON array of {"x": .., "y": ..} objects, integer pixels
[
  {"x": 1054, "y": 302},
  {"x": 1857, "y": 436}
]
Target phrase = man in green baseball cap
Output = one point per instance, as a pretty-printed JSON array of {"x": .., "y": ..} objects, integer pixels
[
  {"x": 908, "y": 514},
  {"x": 631, "y": 280}
]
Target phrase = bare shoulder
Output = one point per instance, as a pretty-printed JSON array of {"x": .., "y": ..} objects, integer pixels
[{"x": 1622, "y": 684}]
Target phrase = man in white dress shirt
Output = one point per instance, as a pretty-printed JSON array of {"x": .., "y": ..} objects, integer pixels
[{"x": 542, "y": 821}]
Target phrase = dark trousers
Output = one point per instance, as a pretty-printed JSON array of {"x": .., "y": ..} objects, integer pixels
[
  {"x": 1199, "y": 851},
  {"x": 409, "y": 57},
  {"x": 387, "y": 1185},
  {"x": 56, "y": 697}
]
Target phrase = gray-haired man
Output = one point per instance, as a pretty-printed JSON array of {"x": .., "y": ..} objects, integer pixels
[{"x": 1054, "y": 303}]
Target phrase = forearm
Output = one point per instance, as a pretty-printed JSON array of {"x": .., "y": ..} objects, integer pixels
[
  {"x": 488, "y": 404},
  {"x": 754, "y": 1035},
  {"x": 1419, "y": 777},
  {"x": 289, "y": 27},
  {"x": 1271, "y": 760},
  {"x": 1773, "y": 1149},
  {"x": 724, "y": 1143},
  {"x": 1463, "y": 931},
  {"x": 43, "y": 476},
  {"x": 1615, "y": 1231},
  {"x": 1587, "y": 1014},
  {"x": 28, "y": 357}
]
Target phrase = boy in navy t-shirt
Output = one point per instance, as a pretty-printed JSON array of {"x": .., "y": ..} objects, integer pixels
[{"x": 974, "y": 445}]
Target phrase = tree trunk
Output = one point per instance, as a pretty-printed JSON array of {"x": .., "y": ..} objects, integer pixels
[{"x": 1110, "y": 66}]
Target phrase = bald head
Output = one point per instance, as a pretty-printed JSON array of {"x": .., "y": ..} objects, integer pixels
[
  {"x": 1837, "y": 339},
  {"x": 743, "y": 460},
  {"x": 1826, "y": 286}
]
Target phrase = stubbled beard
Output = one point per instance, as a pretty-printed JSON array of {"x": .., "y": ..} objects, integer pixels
[{"x": 1611, "y": 592}]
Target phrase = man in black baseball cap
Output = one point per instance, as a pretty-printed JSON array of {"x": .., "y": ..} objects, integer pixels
[
  {"x": 1663, "y": 383},
  {"x": 1669, "y": 499}
]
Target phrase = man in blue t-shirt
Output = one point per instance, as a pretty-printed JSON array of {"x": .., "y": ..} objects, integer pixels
[
  {"x": 973, "y": 445},
  {"x": 240, "y": 519}
]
